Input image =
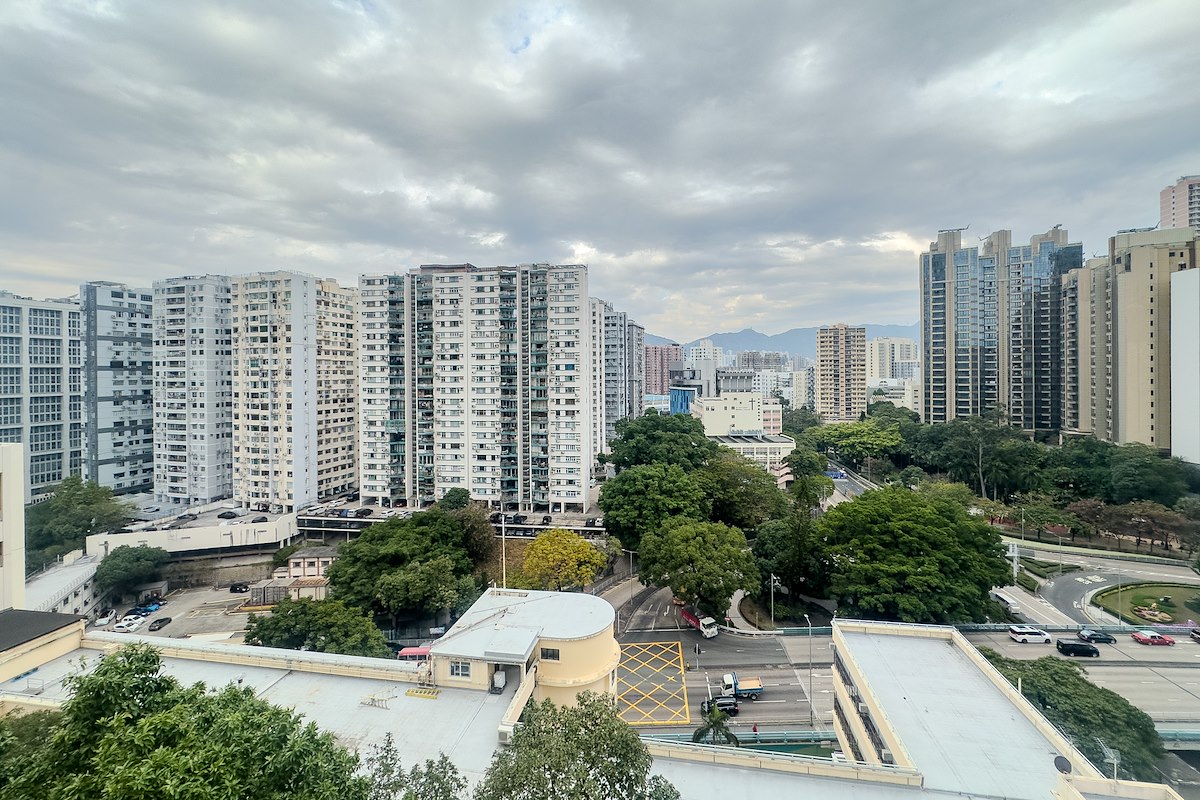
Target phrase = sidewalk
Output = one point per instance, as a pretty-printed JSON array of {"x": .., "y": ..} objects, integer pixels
[{"x": 734, "y": 615}]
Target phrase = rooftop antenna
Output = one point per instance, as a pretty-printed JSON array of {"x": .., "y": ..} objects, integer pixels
[{"x": 1110, "y": 756}]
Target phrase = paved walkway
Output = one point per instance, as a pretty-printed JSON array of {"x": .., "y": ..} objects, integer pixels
[{"x": 736, "y": 620}]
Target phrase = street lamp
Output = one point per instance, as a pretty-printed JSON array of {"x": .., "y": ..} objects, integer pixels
[
  {"x": 629, "y": 616},
  {"x": 812, "y": 724},
  {"x": 774, "y": 580},
  {"x": 503, "y": 555}
]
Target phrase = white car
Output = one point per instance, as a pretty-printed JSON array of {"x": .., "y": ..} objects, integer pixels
[
  {"x": 105, "y": 619},
  {"x": 128, "y": 625},
  {"x": 1026, "y": 634}
]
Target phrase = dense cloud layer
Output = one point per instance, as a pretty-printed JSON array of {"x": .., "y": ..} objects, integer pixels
[{"x": 717, "y": 165}]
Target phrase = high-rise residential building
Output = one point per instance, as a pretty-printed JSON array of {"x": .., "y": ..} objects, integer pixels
[
  {"x": 885, "y": 352},
  {"x": 841, "y": 373},
  {"x": 193, "y": 390},
  {"x": 41, "y": 387},
  {"x": 991, "y": 327},
  {"x": 118, "y": 444},
  {"x": 1179, "y": 204},
  {"x": 619, "y": 345},
  {"x": 1185, "y": 365},
  {"x": 1118, "y": 325},
  {"x": 763, "y": 360},
  {"x": 294, "y": 390},
  {"x": 658, "y": 366},
  {"x": 1077, "y": 346},
  {"x": 478, "y": 378},
  {"x": 706, "y": 350}
]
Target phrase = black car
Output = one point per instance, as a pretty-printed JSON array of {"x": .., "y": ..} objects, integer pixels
[
  {"x": 237, "y": 588},
  {"x": 1089, "y": 635},
  {"x": 363, "y": 512},
  {"x": 259, "y": 519},
  {"x": 727, "y": 704},
  {"x": 547, "y": 520},
  {"x": 495, "y": 518},
  {"x": 160, "y": 623},
  {"x": 1071, "y": 647},
  {"x": 227, "y": 515}
]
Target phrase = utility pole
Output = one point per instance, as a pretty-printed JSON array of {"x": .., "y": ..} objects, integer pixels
[
  {"x": 812, "y": 723},
  {"x": 503, "y": 555},
  {"x": 773, "y": 580}
]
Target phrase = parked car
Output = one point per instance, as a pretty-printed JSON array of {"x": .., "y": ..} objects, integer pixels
[
  {"x": 1151, "y": 637},
  {"x": 1089, "y": 635},
  {"x": 1195, "y": 634},
  {"x": 107, "y": 617},
  {"x": 352, "y": 496},
  {"x": 227, "y": 515},
  {"x": 364, "y": 512},
  {"x": 128, "y": 625},
  {"x": 547, "y": 520},
  {"x": 160, "y": 623},
  {"x": 495, "y": 518},
  {"x": 1074, "y": 647},
  {"x": 729, "y": 705},
  {"x": 259, "y": 519},
  {"x": 1026, "y": 634},
  {"x": 237, "y": 588},
  {"x": 131, "y": 616}
]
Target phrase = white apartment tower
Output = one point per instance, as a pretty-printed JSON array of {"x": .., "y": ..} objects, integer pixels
[
  {"x": 478, "y": 378},
  {"x": 294, "y": 390},
  {"x": 889, "y": 355},
  {"x": 118, "y": 448},
  {"x": 193, "y": 390},
  {"x": 841, "y": 373},
  {"x": 619, "y": 362},
  {"x": 41, "y": 387},
  {"x": 1179, "y": 204}
]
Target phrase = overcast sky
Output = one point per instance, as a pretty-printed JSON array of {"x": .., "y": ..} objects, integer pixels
[{"x": 717, "y": 165}]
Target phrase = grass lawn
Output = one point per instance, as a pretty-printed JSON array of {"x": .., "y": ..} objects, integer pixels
[{"x": 1184, "y": 603}]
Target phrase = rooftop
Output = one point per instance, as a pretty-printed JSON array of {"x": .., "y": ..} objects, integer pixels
[
  {"x": 744, "y": 439},
  {"x": 18, "y": 627},
  {"x": 961, "y": 730},
  {"x": 47, "y": 589},
  {"x": 504, "y": 624}
]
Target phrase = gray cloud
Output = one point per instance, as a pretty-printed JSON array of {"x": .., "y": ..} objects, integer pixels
[{"x": 772, "y": 166}]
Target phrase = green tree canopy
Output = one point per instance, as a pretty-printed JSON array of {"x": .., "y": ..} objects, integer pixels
[
  {"x": 325, "y": 626},
  {"x": 560, "y": 559},
  {"x": 660, "y": 439},
  {"x": 455, "y": 499},
  {"x": 641, "y": 497},
  {"x": 858, "y": 441},
  {"x": 790, "y": 550},
  {"x": 898, "y": 555},
  {"x": 128, "y": 567},
  {"x": 387, "y": 547},
  {"x": 429, "y": 586},
  {"x": 76, "y": 509},
  {"x": 1061, "y": 691},
  {"x": 585, "y": 752},
  {"x": 130, "y": 732},
  {"x": 703, "y": 563},
  {"x": 743, "y": 494},
  {"x": 797, "y": 421},
  {"x": 714, "y": 729}
]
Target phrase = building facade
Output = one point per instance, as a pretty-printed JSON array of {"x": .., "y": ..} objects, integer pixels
[
  {"x": 888, "y": 355},
  {"x": 1179, "y": 204},
  {"x": 841, "y": 373},
  {"x": 1124, "y": 302},
  {"x": 760, "y": 360},
  {"x": 12, "y": 526},
  {"x": 658, "y": 366},
  {"x": 118, "y": 444},
  {"x": 618, "y": 369},
  {"x": 1185, "y": 365},
  {"x": 193, "y": 390},
  {"x": 478, "y": 378},
  {"x": 41, "y": 388},
  {"x": 991, "y": 327},
  {"x": 294, "y": 390}
]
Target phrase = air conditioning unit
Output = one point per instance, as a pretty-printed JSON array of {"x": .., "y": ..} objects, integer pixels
[
  {"x": 862, "y": 708},
  {"x": 885, "y": 756}
]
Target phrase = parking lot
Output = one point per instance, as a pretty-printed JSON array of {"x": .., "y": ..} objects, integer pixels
[{"x": 198, "y": 613}]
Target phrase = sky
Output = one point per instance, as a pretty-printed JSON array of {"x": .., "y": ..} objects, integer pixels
[{"x": 717, "y": 165}]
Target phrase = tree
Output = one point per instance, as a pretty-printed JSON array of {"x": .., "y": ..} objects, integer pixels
[
  {"x": 560, "y": 559},
  {"x": 455, "y": 499},
  {"x": 641, "y": 497},
  {"x": 797, "y": 421},
  {"x": 660, "y": 439},
  {"x": 1189, "y": 506},
  {"x": 434, "y": 780},
  {"x": 714, "y": 730},
  {"x": 957, "y": 493},
  {"x": 743, "y": 494},
  {"x": 703, "y": 563},
  {"x": 1138, "y": 472},
  {"x": 898, "y": 555},
  {"x": 479, "y": 537},
  {"x": 326, "y": 626},
  {"x": 1061, "y": 691},
  {"x": 75, "y": 509},
  {"x": 127, "y": 567},
  {"x": 790, "y": 550},
  {"x": 858, "y": 441},
  {"x": 429, "y": 586},
  {"x": 584, "y": 752},
  {"x": 387, "y": 547},
  {"x": 129, "y": 731}
]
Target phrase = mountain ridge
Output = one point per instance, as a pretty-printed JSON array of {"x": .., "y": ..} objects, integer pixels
[{"x": 797, "y": 340}]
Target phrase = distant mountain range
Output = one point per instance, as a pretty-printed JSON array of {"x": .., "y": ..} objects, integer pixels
[{"x": 797, "y": 340}]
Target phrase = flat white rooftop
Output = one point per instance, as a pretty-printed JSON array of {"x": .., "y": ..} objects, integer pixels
[
  {"x": 461, "y": 723},
  {"x": 961, "y": 731},
  {"x": 48, "y": 588}
]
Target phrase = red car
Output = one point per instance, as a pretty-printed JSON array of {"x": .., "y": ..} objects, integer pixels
[{"x": 1151, "y": 637}]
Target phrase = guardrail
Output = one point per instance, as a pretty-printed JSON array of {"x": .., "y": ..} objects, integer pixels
[
  {"x": 764, "y": 737},
  {"x": 980, "y": 628},
  {"x": 1032, "y": 545}
]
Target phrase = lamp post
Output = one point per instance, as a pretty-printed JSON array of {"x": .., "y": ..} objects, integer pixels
[
  {"x": 629, "y": 616},
  {"x": 773, "y": 580},
  {"x": 812, "y": 724},
  {"x": 503, "y": 555}
]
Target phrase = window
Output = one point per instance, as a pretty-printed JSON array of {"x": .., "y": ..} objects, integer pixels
[
  {"x": 45, "y": 380},
  {"x": 44, "y": 438},
  {"x": 45, "y": 409},
  {"x": 460, "y": 669},
  {"x": 10, "y": 319},
  {"x": 550, "y": 654},
  {"x": 45, "y": 322},
  {"x": 10, "y": 411},
  {"x": 45, "y": 351},
  {"x": 10, "y": 350},
  {"x": 46, "y": 468},
  {"x": 10, "y": 380}
]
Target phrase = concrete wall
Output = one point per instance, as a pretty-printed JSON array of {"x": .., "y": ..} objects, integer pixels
[
  {"x": 12, "y": 526},
  {"x": 32, "y": 654},
  {"x": 584, "y": 665},
  {"x": 210, "y": 537},
  {"x": 1185, "y": 365}
]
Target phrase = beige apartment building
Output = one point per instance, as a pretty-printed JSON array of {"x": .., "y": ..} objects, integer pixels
[
  {"x": 841, "y": 374},
  {"x": 1179, "y": 204},
  {"x": 658, "y": 366},
  {"x": 1117, "y": 328},
  {"x": 294, "y": 390}
]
